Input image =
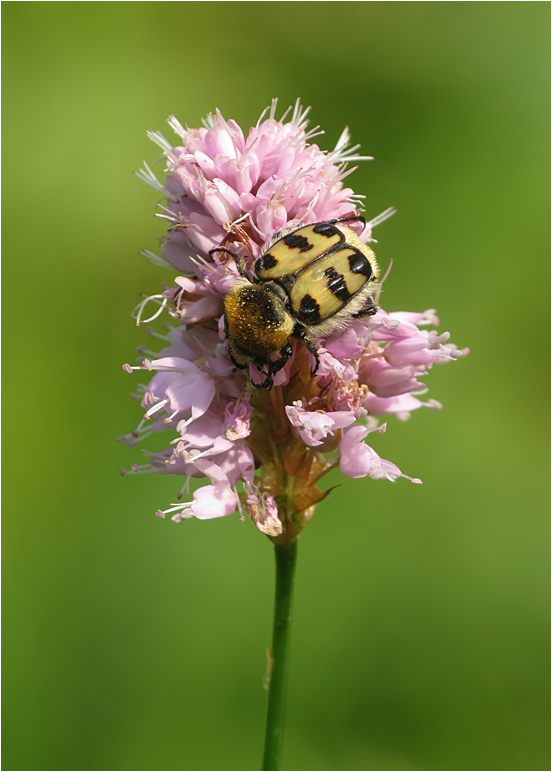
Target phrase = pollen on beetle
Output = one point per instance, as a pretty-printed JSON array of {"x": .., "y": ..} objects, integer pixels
[{"x": 278, "y": 364}]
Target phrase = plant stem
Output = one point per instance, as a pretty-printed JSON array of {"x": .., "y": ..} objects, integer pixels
[{"x": 286, "y": 555}]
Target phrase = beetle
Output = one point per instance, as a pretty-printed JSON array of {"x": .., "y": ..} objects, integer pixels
[{"x": 312, "y": 280}]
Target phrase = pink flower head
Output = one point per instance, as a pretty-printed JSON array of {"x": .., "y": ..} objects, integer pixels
[{"x": 259, "y": 451}]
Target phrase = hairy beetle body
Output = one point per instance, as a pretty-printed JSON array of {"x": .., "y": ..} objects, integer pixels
[{"x": 312, "y": 280}]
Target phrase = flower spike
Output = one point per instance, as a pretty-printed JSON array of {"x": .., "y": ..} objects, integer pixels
[{"x": 228, "y": 197}]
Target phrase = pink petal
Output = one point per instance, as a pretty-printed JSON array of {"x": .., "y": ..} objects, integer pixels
[
  {"x": 214, "y": 501},
  {"x": 384, "y": 405},
  {"x": 203, "y": 432}
]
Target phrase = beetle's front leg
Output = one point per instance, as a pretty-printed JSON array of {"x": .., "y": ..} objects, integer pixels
[
  {"x": 274, "y": 367},
  {"x": 286, "y": 352},
  {"x": 266, "y": 384},
  {"x": 301, "y": 334}
]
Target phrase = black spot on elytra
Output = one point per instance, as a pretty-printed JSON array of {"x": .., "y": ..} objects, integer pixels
[
  {"x": 294, "y": 241},
  {"x": 336, "y": 284},
  {"x": 359, "y": 263},
  {"x": 309, "y": 310},
  {"x": 326, "y": 229},
  {"x": 265, "y": 262}
]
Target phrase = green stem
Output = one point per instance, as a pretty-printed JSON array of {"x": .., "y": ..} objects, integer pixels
[{"x": 286, "y": 555}]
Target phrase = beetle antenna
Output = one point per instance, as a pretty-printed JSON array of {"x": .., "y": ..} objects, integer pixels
[
  {"x": 237, "y": 259},
  {"x": 353, "y": 217}
]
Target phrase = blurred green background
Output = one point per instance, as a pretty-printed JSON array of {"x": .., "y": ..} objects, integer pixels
[{"x": 420, "y": 639}]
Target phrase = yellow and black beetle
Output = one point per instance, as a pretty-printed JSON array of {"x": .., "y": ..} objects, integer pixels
[{"x": 312, "y": 280}]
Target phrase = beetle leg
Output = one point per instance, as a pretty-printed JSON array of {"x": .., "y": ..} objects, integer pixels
[
  {"x": 240, "y": 265},
  {"x": 300, "y": 333},
  {"x": 369, "y": 309},
  {"x": 267, "y": 383},
  {"x": 235, "y": 363},
  {"x": 274, "y": 367},
  {"x": 229, "y": 349}
]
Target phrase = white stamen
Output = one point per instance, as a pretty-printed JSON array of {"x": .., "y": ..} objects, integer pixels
[
  {"x": 430, "y": 317},
  {"x": 170, "y": 218},
  {"x": 144, "y": 350},
  {"x": 432, "y": 404},
  {"x": 139, "y": 310},
  {"x": 380, "y": 429},
  {"x": 185, "y": 488},
  {"x": 345, "y": 172},
  {"x": 403, "y": 415},
  {"x": 352, "y": 155},
  {"x": 190, "y": 457},
  {"x": 155, "y": 334},
  {"x": 299, "y": 115},
  {"x": 147, "y": 176},
  {"x": 240, "y": 219},
  {"x": 204, "y": 265},
  {"x": 128, "y": 368},
  {"x": 435, "y": 340},
  {"x": 165, "y": 146},
  {"x": 181, "y": 427},
  {"x": 284, "y": 116},
  {"x": 135, "y": 437},
  {"x": 385, "y": 275},
  {"x": 296, "y": 110},
  {"x": 140, "y": 469},
  {"x": 311, "y": 206},
  {"x": 240, "y": 509},
  {"x": 177, "y": 217},
  {"x": 343, "y": 140},
  {"x": 340, "y": 153},
  {"x": 157, "y": 260},
  {"x": 415, "y": 480},
  {"x": 382, "y": 217},
  {"x": 176, "y": 126},
  {"x": 262, "y": 115},
  {"x": 349, "y": 155},
  {"x": 156, "y": 408},
  {"x": 313, "y": 133},
  {"x": 302, "y": 121},
  {"x": 174, "y": 508}
]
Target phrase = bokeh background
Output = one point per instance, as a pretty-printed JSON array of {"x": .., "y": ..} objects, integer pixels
[{"x": 420, "y": 638}]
